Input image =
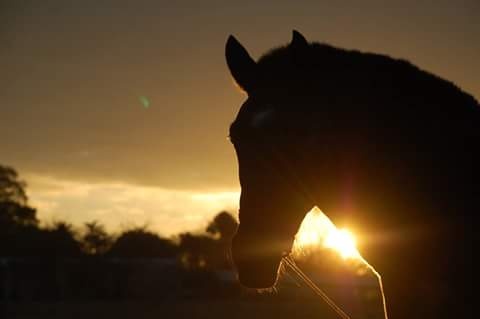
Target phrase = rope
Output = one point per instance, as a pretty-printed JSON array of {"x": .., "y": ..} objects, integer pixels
[
  {"x": 289, "y": 262},
  {"x": 341, "y": 314}
]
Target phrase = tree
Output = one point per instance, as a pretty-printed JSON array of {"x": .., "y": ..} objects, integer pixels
[
  {"x": 198, "y": 251},
  {"x": 13, "y": 215},
  {"x": 140, "y": 243},
  {"x": 12, "y": 189},
  {"x": 59, "y": 241},
  {"x": 13, "y": 201},
  {"x": 223, "y": 225},
  {"x": 96, "y": 240}
]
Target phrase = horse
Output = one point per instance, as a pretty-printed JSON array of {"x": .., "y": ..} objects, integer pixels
[{"x": 380, "y": 146}]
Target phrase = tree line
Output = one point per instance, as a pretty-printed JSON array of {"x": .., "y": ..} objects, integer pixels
[{"x": 22, "y": 236}]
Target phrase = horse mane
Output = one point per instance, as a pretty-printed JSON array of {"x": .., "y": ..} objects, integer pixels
[{"x": 335, "y": 69}]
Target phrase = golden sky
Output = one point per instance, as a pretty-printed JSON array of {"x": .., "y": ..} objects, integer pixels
[{"x": 73, "y": 74}]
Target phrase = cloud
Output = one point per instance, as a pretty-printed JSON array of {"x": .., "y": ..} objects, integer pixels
[{"x": 120, "y": 205}]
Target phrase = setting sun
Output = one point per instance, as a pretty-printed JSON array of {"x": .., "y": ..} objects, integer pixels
[
  {"x": 317, "y": 230},
  {"x": 342, "y": 241}
]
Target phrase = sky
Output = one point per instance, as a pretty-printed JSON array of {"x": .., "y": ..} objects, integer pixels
[{"x": 73, "y": 76}]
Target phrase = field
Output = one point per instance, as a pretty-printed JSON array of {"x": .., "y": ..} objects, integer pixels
[{"x": 231, "y": 309}]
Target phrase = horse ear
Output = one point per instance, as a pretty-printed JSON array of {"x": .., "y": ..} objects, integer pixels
[
  {"x": 240, "y": 63},
  {"x": 299, "y": 47},
  {"x": 298, "y": 40}
]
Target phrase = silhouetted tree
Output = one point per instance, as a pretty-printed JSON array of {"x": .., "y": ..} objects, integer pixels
[
  {"x": 18, "y": 222},
  {"x": 140, "y": 243},
  {"x": 12, "y": 189},
  {"x": 197, "y": 250},
  {"x": 224, "y": 225},
  {"x": 13, "y": 201},
  {"x": 13, "y": 214},
  {"x": 59, "y": 241},
  {"x": 95, "y": 240}
]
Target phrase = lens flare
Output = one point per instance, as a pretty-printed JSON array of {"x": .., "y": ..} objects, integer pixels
[
  {"x": 317, "y": 230},
  {"x": 145, "y": 101}
]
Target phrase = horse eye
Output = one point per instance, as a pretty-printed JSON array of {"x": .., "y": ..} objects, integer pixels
[{"x": 262, "y": 117}]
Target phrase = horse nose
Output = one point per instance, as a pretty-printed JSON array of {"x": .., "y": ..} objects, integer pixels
[
  {"x": 257, "y": 274},
  {"x": 256, "y": 268}
]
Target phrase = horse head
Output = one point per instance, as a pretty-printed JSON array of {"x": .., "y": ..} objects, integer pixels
[{"x": 274, "y": 199}]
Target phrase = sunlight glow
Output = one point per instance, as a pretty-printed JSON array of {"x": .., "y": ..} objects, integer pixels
[
  {"x": 342, "y": 241},
  {"x": 317, "y": 230},
  {"x": 120, "y": 205}
]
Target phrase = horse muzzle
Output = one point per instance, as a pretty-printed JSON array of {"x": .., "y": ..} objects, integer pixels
[{"x": 257, "y": 267}]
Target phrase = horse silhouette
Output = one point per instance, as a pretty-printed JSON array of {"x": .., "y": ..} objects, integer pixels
[{"x": 378, "y": 145}]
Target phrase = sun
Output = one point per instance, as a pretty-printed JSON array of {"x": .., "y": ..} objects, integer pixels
[
  {"x": 317, "y": 230},
  {"x": 343, "y": 242}
]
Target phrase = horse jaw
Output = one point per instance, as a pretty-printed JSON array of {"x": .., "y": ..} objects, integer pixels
[{"x": 257, "y": 259}]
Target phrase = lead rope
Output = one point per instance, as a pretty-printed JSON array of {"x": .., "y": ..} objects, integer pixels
[{"x": 288, "y": 261}]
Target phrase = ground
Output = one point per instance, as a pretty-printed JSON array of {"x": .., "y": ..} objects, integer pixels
[{"x": 230, "y": 309}]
